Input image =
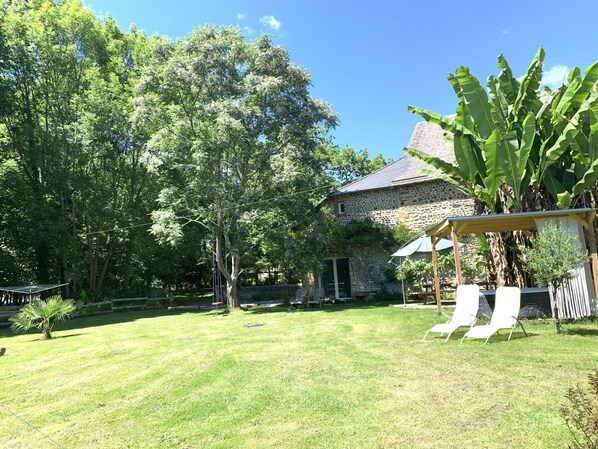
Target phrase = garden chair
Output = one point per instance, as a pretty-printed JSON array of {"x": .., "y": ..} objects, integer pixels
[
  {"x": 466, "y": 309},
  {"x": 318, "y": 298},
  {"x": 504, "y": 316}
]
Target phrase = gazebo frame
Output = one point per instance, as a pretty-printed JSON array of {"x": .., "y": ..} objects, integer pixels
[{"x": 521, "y": 221}]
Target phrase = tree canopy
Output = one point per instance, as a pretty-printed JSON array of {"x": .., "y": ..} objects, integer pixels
[
  {"x": 105, "y": 132},
  {"x": 236, "y": 133}
]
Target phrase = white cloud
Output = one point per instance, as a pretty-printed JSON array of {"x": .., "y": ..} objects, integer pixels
[
  {"x": 271, "y": 21},
  {"x": 241, "y": 16},
  {"x": 555, "y": 76},
  {"x": 247, "y": 31},
  {"x": 505, "y": 32}
]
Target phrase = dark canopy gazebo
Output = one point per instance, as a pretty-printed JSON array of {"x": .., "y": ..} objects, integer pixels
[{"x": 30, "y": 290}]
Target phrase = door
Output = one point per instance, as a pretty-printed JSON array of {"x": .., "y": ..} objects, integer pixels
[
  {"x": 343, "y": 278},
  {"x": 336, "y": 278}
]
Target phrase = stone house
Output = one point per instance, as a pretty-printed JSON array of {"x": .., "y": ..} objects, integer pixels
[{"x": 397, "y": 193}]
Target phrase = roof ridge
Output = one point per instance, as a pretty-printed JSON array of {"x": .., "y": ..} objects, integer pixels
[{"x": 368, "y": 175}]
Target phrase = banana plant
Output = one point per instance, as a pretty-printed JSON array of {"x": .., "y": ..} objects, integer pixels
[
  {"x": 492, "y": 135},
  {"x": 567, "y": 166},
  {"x": 512, "y": 141}
]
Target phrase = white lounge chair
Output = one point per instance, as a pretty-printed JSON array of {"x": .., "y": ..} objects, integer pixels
[
  {"x": 466, "y": 309},
  {"x": 504, "y": 316}
]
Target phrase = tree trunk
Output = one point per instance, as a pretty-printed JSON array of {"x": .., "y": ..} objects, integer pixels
[
  {"x": 233, "y": 288},
  {"x": 557, "y": 317},
  {"x": 520, "y": 239},
  {"x": 42, "y": 258},
  {"x": 47, "y": 332},
  {"x": 499, "y": 260},
  {"x": 232, "y": 277},
  {"x": 504, "y": 252}
]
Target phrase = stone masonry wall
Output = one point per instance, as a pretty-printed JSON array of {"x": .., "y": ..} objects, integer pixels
[{"x": 418, "y": 206}]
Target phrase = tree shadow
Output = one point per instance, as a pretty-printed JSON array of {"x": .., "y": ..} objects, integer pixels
[
  {"x": 60, "y": 337},
  {"x": 328, "y": 307},
  {"x": 109, "y": 318},
  {"x": 582, "y": 332}
]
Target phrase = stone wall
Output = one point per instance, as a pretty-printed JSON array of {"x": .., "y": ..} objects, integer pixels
[
  {"x": 380, "y": 205},
  {"x": 418, "y": 206},
  {"x": 367, "y": 272}
]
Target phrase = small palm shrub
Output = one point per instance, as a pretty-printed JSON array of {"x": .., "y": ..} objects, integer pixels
[{"x": 42, "y": 315}]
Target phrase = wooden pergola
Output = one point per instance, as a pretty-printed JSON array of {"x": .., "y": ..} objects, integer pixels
[{"x": 523, "y": 221}]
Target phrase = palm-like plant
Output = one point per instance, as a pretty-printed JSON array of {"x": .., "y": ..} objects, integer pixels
[
  {"x": 42, "y": 315},
  {"x": 520, "y": 148}
]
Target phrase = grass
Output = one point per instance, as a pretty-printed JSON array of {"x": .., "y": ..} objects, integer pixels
[{"x": 341, "y": 377}]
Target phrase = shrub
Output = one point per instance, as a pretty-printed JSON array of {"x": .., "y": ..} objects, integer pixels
[
  {"x": 581, "y": 415},
  {"x": 42, "y": 315},
  {"x": 552, "y": 258}
]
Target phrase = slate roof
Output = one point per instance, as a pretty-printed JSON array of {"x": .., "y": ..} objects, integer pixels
[{"x": 426, "y": 137}]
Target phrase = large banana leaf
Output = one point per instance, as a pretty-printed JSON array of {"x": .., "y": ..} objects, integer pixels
[
  {"x": 593, "y": 137},
  {"x": 527, "y": 97},
  {"x": 494, "y": 174},
  {"x": 568, "y": 133},
  {"x": 476, "y": 101},
  {"x": 443, "y": 167},
  {"x": 468, "y": 158},
  {"x": 585, "y": 147},
  {"x": 443, "y": 177},
  {"x": 462, "y": 116},
  {"x": 590, "y": 177},
  {"x": 568, "y": 90},
  {"x": 553, "y": 185},
  {"x": 508, "y": 84},
  {"x": 580, "y": 149},
  {"x": 447, "y": 123},
  {"x": 589, "y": 80},
  {"x": 514, "y": 156},
  {"x": 499, "y": 104}
]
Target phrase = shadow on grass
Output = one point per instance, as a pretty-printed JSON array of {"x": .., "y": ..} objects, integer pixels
[
  {"x": 582, "y": 332},
  {"x": 60, "y": 337},
  {"x": 109, "y": 318},
  {"x": 504, "y": 337},
  {"x": 328, "y": 308}
]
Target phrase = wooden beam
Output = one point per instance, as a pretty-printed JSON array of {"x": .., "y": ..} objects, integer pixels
[
  {"x": 434, "y": 240},
  {"x": 594, "y": 257},
  {"x": 457, "y": 257}
]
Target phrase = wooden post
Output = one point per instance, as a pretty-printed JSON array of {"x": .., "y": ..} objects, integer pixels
[
  {"x": 594, "y": 257},
  {"x": 457, "y": 257},
  {"x": 433, "y": 241}
]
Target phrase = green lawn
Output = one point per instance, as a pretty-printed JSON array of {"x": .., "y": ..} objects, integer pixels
[{"x": 342, "y": 377}]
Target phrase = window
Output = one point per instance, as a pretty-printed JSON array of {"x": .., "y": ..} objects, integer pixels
[{"x": 341, "y": 208}]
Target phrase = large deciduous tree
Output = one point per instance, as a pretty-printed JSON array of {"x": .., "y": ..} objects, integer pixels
[
  {"x": 70, "y": 161},
  {"x": 235, "y": 133}
]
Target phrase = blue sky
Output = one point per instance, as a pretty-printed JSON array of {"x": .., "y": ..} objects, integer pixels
[{"x": 370, "y": 60}]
